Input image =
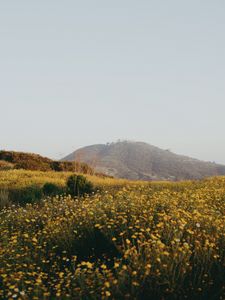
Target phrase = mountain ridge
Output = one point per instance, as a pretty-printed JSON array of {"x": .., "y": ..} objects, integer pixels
[{"x": 142, "y": 161}]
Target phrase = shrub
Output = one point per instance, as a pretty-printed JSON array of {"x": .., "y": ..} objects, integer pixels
[
  {"x": 51, "y": 189},
  {"x": 78, "y": 185},
  {"x": 5, "y": 165},
  {"x": 30, "y": 194},
  {"x": 4, "y": 199},
  {"x": 56, "y": 166},
  {"x": 29, "y": 161}
]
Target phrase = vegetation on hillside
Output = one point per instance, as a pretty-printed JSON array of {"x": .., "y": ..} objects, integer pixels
[
  {"x": 23, "y": 178},
  {"x": 136, "y": 241},
  {"x": 30, "y": 161},
  {"x": 25, "y": 186}
]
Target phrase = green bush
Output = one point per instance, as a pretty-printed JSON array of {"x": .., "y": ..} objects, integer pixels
[
  {"x": 51, "y": 189},
  {"x": 30, "y": 194},
  {"x": 78, "y": 185}
]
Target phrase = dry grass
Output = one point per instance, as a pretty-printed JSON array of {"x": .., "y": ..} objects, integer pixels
[{"x": 23, "y": 178}]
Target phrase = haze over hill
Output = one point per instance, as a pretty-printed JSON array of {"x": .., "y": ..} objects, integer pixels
[{"x": 141, "y": 161}]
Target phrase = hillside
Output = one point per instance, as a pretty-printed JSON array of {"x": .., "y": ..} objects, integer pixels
[
  {"x": 31, "y": 161},
  {"x": 141, "y": 161}
]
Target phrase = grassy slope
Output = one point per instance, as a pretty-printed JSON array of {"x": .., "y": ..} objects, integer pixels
[{"x": 24, "y": 178}]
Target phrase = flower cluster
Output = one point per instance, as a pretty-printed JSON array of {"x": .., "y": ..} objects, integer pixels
[{"x": 136, "y": 241}]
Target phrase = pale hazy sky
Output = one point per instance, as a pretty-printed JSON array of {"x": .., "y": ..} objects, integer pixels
[{"x": 74, "y": 73}]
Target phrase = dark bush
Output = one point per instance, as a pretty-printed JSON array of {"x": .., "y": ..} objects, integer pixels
[
  {"x": 51, "y": 189},
  {"x": 4, "y": 198},
  {"x": 56, "y": 166},
  {"x": 25, "y": 195},
  {"x": 78, "y": 185}
]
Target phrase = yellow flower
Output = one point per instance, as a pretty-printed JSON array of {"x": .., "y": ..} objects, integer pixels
[
  {"x": 38, "y": 280},
  {"x": 108, "y": 294},
  {"x": 89, "y": 265},
  {"x": 128, "y": 242},
  {"x": 103, "y": 266},
  {"x": 107, "y": 284},
  {"x": 34, "y": 240}
]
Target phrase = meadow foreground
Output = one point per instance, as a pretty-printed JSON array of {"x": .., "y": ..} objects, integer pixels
[{"x": 132, "y": 241}]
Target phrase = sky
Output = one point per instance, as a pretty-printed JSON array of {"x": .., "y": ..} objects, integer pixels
[{"x": 75, "y": 73}]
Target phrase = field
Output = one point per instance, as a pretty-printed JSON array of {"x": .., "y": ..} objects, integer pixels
[
  {"x": 22, "y": 178},
  {"x": 130, "y": 240},
  {"x": 25, "y": 186}
]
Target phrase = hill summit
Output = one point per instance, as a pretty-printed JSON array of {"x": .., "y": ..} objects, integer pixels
[{"x": 142, "y": 161}]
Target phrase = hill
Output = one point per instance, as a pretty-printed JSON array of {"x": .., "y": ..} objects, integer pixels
[
  {"x": 141, "y": 161},
  {"x": 35, "y": 162}
]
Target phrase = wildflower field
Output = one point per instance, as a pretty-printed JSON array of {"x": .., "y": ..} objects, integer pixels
[{"x": 127, "y": 241}]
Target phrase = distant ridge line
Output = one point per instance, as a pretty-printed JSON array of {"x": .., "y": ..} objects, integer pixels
[{"x": 142, "y": 161}]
